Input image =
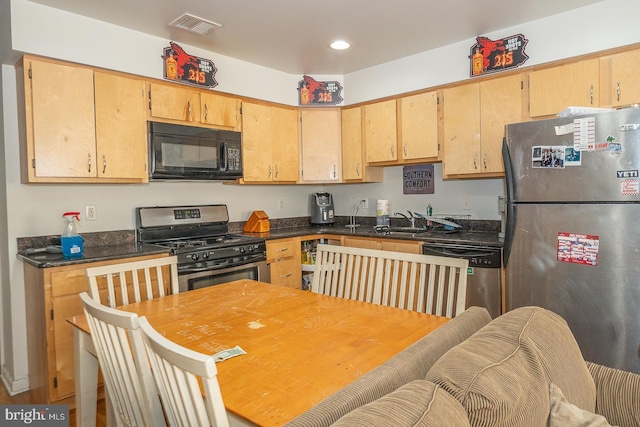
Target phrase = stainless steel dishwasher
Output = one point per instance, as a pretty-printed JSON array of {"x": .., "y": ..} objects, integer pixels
[{"x": 484, "y": 284}]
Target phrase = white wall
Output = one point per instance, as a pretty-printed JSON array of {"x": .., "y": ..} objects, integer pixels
[{"x": 33, "y": 210}]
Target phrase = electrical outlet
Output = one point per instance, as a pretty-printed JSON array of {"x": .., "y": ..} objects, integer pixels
[
  {"x": 365, "y": 204},
  {"x": 90, "y": 213},
  {"x": 466, "y": 203},
  {"x": 281, "y": 204}
]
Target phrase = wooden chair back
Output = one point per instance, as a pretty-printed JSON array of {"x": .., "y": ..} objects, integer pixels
[
  {"x": 121, "y": 354},
  {"x": 423, "y": 283},
  {"x": 178, "y": 372},
  {"x": 133, "y": 281}
]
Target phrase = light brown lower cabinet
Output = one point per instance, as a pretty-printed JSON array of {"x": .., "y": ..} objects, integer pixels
[
  {"x": 283, "y": 257},
  {"x": 52, "y": 297},
  {"x": 412, "y": 247}
]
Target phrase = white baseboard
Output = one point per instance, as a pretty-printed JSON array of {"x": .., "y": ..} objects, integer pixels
[{"x": 14, "y": 386}]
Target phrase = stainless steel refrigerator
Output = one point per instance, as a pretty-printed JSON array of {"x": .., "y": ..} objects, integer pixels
[{"x": 572, "y": 239}]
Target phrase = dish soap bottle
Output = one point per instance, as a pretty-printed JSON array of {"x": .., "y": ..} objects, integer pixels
[{"x": 72, "y": 243}]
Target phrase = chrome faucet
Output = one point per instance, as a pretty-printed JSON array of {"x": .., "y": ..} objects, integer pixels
[{"x": 410, "y": 218}]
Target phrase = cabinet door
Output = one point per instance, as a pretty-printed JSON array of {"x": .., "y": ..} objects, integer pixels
[
  {"x": 219, "y": 110},
  {"x": 552, "y": 90},
  {"x": 419, "y": 126},
  {"x": 321, "y": 145},
  {"x": 625, "y": 86},
  {"x": 397, "y": 246},
  {"x": 121, "y": 131},
  {"x": 461, "y": 120},
  {"x": 380, "y": 132},
  {"x": 257, "y": 142},
  {"x": 63, "y": 120},
  {"x": 352, "y": 164},
  {"x": 500, "y": 104},
  {"x": 362, "y": 242},
  {"x": 286, "y": 146},
  {"x": 174, "y": 102}
]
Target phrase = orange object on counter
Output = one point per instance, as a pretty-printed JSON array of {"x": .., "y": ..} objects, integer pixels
[{"x": 258, "y": 222}]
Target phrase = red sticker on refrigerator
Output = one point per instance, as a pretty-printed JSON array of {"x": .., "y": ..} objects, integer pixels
[{"x": 578, "y": 248}]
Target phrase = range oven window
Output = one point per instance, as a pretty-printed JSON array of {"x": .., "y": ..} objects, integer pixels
[{"x": 254, "y": 271}]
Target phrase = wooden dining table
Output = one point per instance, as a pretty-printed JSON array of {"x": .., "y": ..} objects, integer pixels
[{"x": 300, "y": 346}]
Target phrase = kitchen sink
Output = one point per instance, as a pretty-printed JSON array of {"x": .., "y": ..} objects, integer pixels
[{"x": 402, "y": 231}]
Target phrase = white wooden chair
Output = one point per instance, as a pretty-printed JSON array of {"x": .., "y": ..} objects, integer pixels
[
  {"x": 133, "y": 398},
  {"x": 423, "y": 283},
  {"x": 177, "y": 371},
  {"x": 136, "y": 281}
]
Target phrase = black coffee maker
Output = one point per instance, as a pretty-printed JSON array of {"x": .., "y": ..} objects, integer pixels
[{"x": 321, "y": 209}]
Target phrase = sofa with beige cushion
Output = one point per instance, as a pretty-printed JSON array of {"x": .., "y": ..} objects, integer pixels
[{"x": 522, "y": 369}]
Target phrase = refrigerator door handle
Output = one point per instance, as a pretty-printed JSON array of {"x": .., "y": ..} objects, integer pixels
[{"x": 511, "y": 209}]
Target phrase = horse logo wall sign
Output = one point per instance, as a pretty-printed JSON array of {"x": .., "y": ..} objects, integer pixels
[
  {"x": 312, "y": 92},
  {"x": 181, "y": 67},
  {"x": 491, "y": 56}
]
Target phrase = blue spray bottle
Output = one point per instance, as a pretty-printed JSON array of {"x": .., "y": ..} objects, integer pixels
[{"x": 72, "y": 243}]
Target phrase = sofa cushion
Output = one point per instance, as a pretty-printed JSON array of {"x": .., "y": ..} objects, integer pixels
[
  {"x": 408, "y": 365},
  {"x": 501, "y": 374},
  {"x": 563, "y": 413},
  {"x": 418, "y": 403}
]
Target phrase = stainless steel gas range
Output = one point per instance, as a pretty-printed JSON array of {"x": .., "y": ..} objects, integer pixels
[{"x": 199, "y": 236}]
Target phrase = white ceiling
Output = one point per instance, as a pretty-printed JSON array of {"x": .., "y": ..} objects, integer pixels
[{"x": 293, "y": 35}]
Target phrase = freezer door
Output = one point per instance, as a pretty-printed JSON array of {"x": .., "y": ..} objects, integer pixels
[
  {"x": 601, "y": 303},
  {"x": 546, "y": 166}
]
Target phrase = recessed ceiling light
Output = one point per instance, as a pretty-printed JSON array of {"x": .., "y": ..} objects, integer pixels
[{"x": 340, "y": 45}]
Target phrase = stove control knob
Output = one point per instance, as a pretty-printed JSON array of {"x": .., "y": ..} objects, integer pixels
[
  {"x": 205, "y": 255},
  {"x": 194, "y": 257},
  {"x": 243, "y": 249},
  {"x": 251, "y": 248}
]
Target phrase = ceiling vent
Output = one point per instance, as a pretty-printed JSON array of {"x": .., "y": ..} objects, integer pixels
[{"x": 194, "y": 24}]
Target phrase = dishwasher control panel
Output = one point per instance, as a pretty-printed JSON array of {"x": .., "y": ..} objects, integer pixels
[{"x": 478, "y": 256}]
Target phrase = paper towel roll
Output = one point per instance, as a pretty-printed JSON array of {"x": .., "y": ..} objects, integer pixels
[{"x": 382, "y": 212}]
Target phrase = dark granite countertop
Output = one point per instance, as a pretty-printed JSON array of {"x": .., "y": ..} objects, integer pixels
[
  {"x": 92, "y": 254},
  {"x": 108, "y": 245},
  {"x": 483, "y": 238}
]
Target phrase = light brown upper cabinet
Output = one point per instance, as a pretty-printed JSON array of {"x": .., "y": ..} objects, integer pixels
[
  {"x": 219, "y": 110},
  {"x": 553, "y": 89},
  {"x": 418, "y": 127},
  {"x": 474, "y": 117},
  {"x": 380, "y": 132},
  {"x": 121, "y": 129},
  {"x": 320, "y": 141},
  {"x": 69, "y": 132},
  {"x": 270, "y": 144},
  {"x": 619, "y": 79},
  {"x": 182, "y": 105},
  {"x": 353, "y": 165}
]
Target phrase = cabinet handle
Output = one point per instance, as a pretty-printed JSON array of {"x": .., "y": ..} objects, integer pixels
[
  {"x": 282, "y": 250},
  {"x": 189, "y": 111},
  {"x": 358, "y": 170},
  {"x": 618, "y": 90},
  {"x": 89, "y": 162},
  {"x": 269, "y": 171},
  {"x": 591, "y": 94},
  {"x": 276, "y": 171},
  {"x": 404, "y": 150},
  {"x": 104, "y": 164},
  {"x": 282, "y": 276},
  {"x": 206, "y": 112},
  {"x": 392, "y": 155},
  {"x": 484, "y": 160},
  {"x": 475, "y": 161},
  {"x": 334, "y": 171}
]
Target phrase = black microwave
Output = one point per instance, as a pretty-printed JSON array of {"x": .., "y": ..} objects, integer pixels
[{"x": 190, "y": 152}]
